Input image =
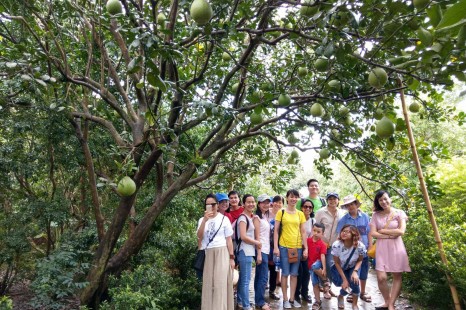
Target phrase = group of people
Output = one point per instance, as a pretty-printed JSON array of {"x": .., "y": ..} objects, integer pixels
[{"x": 304, "y": 240}]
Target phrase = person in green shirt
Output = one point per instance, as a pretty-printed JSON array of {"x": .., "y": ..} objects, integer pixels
[{"x": 314, "y": 190}]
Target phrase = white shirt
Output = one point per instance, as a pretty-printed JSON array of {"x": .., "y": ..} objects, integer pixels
[
  {"x": 339, "y": 250},
  {"x": 211, "y": 226},
  {"x": 249, "y": 249},
  {"x": 264, "y": 234}
]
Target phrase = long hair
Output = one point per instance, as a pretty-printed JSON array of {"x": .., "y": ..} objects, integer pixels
[
  {"x": 354, "y": 234},
  {"x": 378, "y": 195}
]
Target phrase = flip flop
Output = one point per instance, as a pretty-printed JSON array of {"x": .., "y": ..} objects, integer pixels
[
  {"x": 341, "y": 302},
  {"x": 365, "y": 297}
]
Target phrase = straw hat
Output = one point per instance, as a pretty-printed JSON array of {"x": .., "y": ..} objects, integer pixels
[{"x": 349, "y": 199}]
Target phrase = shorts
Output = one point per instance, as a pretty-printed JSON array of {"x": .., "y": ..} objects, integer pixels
[
  {"x": 364, "y": 269},
  {"x": 314, "y": 277},
  {"x": 287, "y": 268}
]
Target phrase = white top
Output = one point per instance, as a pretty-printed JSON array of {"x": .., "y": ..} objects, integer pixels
[
  {"x": 249, "y": 249},
  {"x": 211, "y": 227},
  {"x": 308, "y": 227},
  {"x": 264, "y": 234},
  {"x": 339, "y": 250}
]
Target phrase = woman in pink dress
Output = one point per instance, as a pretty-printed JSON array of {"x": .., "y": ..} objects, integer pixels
[{"x": 387, "y": 226}]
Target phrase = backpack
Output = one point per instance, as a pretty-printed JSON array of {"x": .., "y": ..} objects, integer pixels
[
  {"x": 237, "y": 240},
  {"x": 323, "y": 202}
]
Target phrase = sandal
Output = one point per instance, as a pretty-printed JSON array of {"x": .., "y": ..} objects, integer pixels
[
  {"x": 366, "y": 297},
  {"x": 349, "y": 298},
  {"x": 341, "y": 302},
  {"x": 326, "y": 286},
  {"x": 264, "y": 307},
  {"x": 317, "y": 305}
]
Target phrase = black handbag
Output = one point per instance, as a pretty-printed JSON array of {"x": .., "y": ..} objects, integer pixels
[
  {"x": 200, "y": 255},
  {"x": 199, "y": 260}
]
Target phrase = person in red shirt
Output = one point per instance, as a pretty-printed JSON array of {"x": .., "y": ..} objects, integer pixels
[
  {"x": 235, "y": 208},
  {"x": 317, "y": 249}
]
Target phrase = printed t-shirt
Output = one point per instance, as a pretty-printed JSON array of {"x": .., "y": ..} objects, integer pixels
[
  {"x": 315, "y": 249},
  {"x": 211, "y": 226},
  {"x": 290, "y": 227},
  {"x": 339, "y": 250},
  {"x": 361, "y": 222}
]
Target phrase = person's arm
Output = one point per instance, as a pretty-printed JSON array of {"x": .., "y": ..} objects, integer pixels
[
  {"x": 257, "y": 232},
  {"x": 304, "y": 239},
  {"x": 231, "y": 252},
  {"x": 395, "y": 232},
  {"x": 323, "y": 259},
  {"x": 355, "y": 275},
  {"x": 376, "y": 234},
  {"x": 276, "y": 251}
]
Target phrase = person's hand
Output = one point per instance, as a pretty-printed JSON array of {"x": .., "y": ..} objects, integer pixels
[
  {"x": 208, "y": 215},
  {"x": 258, "y": 245},
  {"x": 259, "y": 259},
  {"x": 276, "y": 252},
  {"x": 345, "y": 284},
  {"x": 232, "y": 264},
  {"x": 355, "y": 277},
  {"x": 324, "y": 273},
  {"x": 305, "y": 253}
]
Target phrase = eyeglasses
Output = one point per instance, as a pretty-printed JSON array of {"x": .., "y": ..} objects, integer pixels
[
  {"x": 346, "y": 231},
  {"x": 307, "y": 207}
]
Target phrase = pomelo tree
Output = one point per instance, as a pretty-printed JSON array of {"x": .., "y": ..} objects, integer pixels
[{"x": 149, "y": 85}]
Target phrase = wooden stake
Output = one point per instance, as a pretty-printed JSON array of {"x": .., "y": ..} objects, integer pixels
[{"x": 425, "y": 194}]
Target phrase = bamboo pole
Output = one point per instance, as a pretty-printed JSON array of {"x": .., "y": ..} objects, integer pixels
[{"x": 425, "y": 194}]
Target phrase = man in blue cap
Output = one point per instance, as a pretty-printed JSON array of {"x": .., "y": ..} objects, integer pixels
[{"x": 223, "y": 205}]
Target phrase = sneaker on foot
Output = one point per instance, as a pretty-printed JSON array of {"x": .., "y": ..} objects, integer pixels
[
  {"x": 296, "y": 304},
  {"x": 308, "y": 299},
  {"x": 286, "y": 305},
  {"x": 274, "y": 296}
]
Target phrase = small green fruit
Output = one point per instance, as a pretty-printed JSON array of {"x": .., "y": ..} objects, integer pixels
[
  {"x": 359, "y": 163},
  {"x": 201, "y": 12},
  {"x": 378, "y": 114},
  {"x": 321, "y": 64},
  {"x": 317, "y": 110},
  {"x": 348, "y": 120},
  {"x": 385, "y": 128},
  {"x": 292, "y": 139},
  {"x": 294, "y": 154},
  {"x": 126, "y": 186},
  {"x": 284, "y": 100},
  {"x": 378, "y": 77},
  {"x": 114, "y": 7},
  {"x": 343, "y": 111},
  {"x": 414, "y": 107},
  {"x": 334, "y": 85},
  {"x": 291, "y": 161},
  {"x": 302, "y": 71},
  {"x": 234, "y": 88},
  {"x": 324, "y": 153},
  {"x": 161, "y": 18},
  {"x": 256, "y": 118},
  {"x": 370, "y": 168},
  {"x": 226, "y": 56},
  {"x": 257, "y": 95},
  {"x": 332, "y": 143}
]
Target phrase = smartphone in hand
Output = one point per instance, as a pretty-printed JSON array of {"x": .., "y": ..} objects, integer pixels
[{"x": 208, "y": 208}]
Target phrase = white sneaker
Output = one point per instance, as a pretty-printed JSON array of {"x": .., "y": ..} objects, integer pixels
[
  {"x": 286, "y": 305},
  {"x": 296, "y": 304}
]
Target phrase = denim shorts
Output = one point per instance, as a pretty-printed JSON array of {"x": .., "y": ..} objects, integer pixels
[
  {"x": 364, "y": 270},
  {"x": 314, "y": 277},
  {"x": 287, "y": 268}
]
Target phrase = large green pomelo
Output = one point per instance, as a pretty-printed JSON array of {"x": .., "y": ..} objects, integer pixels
[
  {"x": 378, "y": 77},
  {"x": 317, "y": 110},
  {"x": 321, "y": 64},
  {"x": 385, "y": 128},
  {"x": 324, "y": 153},
  {"x": 256, "y": 118},
  {"x": 414, "y": 107},
  {"x": 284, "y": 100},
  {"x": 114, "y": 7},
  {"x": 126, "y": 186},
  {"x": 201, "y": 12}
]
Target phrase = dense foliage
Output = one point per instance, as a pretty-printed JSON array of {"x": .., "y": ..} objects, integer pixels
[{"x": 89, "y": 96}]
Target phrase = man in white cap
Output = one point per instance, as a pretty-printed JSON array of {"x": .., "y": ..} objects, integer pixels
[
  {"x": 329, "y": 216},
  {"x": 360, "y": 220}
]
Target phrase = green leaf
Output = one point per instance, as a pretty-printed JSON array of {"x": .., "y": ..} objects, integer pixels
[
  {"x": 156, "y": 81},
  {"x": 454, "y": 16},
  {"x": 435, "y": 14}
]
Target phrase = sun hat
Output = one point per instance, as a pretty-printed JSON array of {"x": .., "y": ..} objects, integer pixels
[
  {"x": 235, "y": 277},
  {"x": 263, "y": 198},
  {"x": 333, "y": 194},
  {"x": 221, "y": 196},
  {"x": 349, "y": 199}
]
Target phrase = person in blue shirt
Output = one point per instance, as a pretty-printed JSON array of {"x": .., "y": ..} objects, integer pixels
[{"x": 361, "y": 220}]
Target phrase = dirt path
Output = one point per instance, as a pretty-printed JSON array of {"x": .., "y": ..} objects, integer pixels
[{"x": 371, "y": 289}]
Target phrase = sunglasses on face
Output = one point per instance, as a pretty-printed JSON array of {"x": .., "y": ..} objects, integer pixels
[{"x": 307, "y": 207}]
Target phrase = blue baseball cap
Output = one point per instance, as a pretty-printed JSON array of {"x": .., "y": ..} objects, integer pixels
[
  {"x": 221, "y": 196},
  {"x": 332, "y": 194}
]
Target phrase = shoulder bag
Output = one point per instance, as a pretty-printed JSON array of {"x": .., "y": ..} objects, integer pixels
[
  {"x": 200, "y": 255},
  {"x": 336, "y": 278}
]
